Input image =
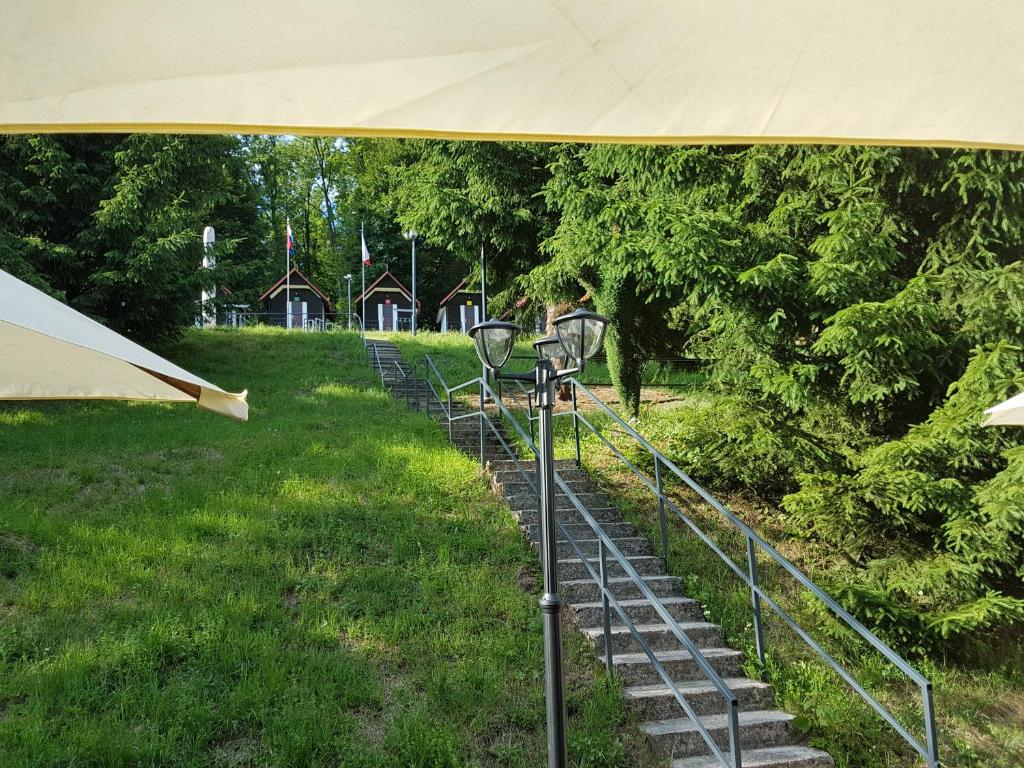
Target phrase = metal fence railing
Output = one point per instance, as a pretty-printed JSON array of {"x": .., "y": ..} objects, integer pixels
[
  {"x": 309, "y": 322},
  {"x": 608, "y": 552},
  {"x": 664, "y": 468},
  {"x": 926, "y": 748}
]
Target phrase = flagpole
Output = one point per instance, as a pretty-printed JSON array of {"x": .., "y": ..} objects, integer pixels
[
  {"x": 287, "y": 275},
  {"x": 362, "y": 272}
]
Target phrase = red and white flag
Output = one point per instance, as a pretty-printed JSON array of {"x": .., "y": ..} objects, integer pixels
[{"x": 366, "y": 252}]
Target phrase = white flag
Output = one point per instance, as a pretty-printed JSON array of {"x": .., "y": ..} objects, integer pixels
[{"x": 366, "y": 253}]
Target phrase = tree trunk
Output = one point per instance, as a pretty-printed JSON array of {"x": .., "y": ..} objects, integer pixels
[{"x": 553, "y": 311}]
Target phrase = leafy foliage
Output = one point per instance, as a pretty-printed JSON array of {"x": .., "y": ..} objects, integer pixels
[
  {"x": 112, "y": 224},
  {"x": 861, "y": 306}
]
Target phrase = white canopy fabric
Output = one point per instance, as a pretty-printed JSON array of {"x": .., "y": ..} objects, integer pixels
[
  {"x": 52, "y": 352},
  {"x": 1007, "y": 412},
  {"x": 939, "y": 73}
]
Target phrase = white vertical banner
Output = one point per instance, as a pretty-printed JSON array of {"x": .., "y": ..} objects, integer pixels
[{"x": 209, "y": 313}]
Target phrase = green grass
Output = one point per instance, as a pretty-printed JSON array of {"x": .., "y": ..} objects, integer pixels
[
  {"x": 980, "y": 706},
  {"x": 328, "y": 584}
]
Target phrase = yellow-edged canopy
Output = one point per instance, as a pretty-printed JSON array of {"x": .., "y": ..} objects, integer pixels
[
  {"x": 942, "y": 72},
  {"x": 51, "y": 352}
]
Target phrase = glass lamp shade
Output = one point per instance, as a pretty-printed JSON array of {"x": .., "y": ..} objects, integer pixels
[
  {"x": 581, "y": 333},
  {"x": 494, "y": 341},
  {"x": 551, "y": 348}
]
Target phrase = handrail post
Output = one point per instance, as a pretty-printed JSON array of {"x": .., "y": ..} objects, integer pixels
[
  {"x": 755, "y": 600},
  {"x": 606, "y": 618},
  {"x": 929, "y": 726},
  {"x": 536, "y": 479},
  {"x": 734, "y": 733},
  {"x": 662, "y": 521},
  {"x": 529, "y": 405},
  {"x": 448, "y": 392},
  {"x": 576, "y": 426},
  {"x": 481, "y": 420}
]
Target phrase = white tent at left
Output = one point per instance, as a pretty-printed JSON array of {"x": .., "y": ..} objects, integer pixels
[{"x": 51, "y": 352}]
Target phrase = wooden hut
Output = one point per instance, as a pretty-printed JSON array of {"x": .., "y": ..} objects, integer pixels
[
  {"x": 386, "y": 305},
  {"x": 310, "y": 307},
  {"x": 460, "y": 310}
]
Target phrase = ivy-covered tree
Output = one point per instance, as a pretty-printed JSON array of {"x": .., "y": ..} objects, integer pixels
[{"x": 628, "y": 233}]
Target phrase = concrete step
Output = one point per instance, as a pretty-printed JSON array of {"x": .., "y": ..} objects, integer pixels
[
  {"x": 759, "y": 728},
  {"x": 569, "y": 515},
  {"x": 582, "y": 531},
  {"x": 589, "y": 591},
  {"x": 636, "y": 668},
  {"x": 632, "y": 546},
  {"x": 471, "y": 439},
  {"x": 522, "y": 486},
  {"x": 770, "y": 757},
  {"x": 639, "y": 611},
  {"x": 471, "y": 425},
  {"x": 569, "y": 475},
  {"x": 507, "y": 466},
  {"x": 588, "y": 500},
  {"x": 572, "y": 568},
  {"x": 657, "y": 702},
  {"x": 659, "y": 637},
  {"x": 492, "y": 449}
]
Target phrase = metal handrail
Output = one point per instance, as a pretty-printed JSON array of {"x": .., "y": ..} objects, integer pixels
[
  {"x": 348, "y": 317},
  {"x": 376, "y": 355},
  {"x": 928, "y": 750},
  {"x": 607, "y": 546}
]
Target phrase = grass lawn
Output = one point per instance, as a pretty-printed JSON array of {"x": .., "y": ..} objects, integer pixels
[
  {"x": 980, "y": 704},
  {"x": 328, "y": 584}
]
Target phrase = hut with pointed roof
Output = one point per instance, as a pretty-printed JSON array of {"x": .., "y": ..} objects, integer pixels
[
  {"x": 386, "y": 305},
  {"x": 309, "y": 306},
  {"x": 460, "y": 310}
]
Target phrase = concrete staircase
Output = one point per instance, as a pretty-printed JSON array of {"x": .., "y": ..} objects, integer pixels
[{"x": 768, "y": 738}]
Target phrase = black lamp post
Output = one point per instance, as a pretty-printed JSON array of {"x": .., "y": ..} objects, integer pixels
[
  {"x": 411, "y": 235},
  {"x": 349, "y": 278},
  {"x": 578, "y": 336}
]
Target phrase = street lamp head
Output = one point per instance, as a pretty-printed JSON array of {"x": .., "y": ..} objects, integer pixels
[
  {"x": 581, "y": 333},
  {"x": 494, "y": 341},
  {"x": 550, "y": 348},
  {"x": 349, "y": 277},
  {"x": 410, "y": 234}
]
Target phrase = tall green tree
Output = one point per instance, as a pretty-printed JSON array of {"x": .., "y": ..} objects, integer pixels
[
  {"x": 620, "y": 213},
  {"x": 113, "y": 224},
  {"x": 861, "y": 307},
  {"x": 459, "y": 196}
]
